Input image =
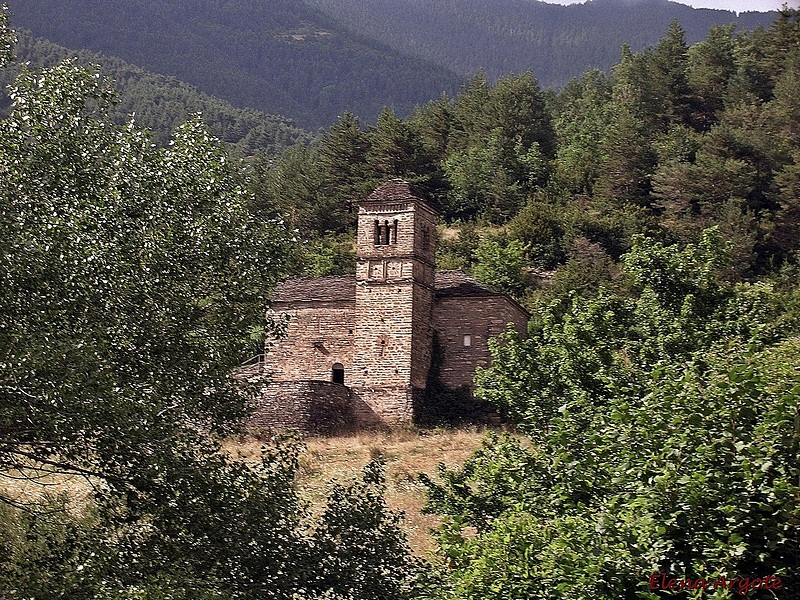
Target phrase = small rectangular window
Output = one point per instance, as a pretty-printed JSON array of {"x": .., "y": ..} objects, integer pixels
[{"x": 467, "y": 340}]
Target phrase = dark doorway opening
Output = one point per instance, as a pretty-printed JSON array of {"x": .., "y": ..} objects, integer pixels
[{"x": 337, "y": 375}]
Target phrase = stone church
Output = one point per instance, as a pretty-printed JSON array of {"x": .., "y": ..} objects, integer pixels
[{"x": 358, "y": 347}]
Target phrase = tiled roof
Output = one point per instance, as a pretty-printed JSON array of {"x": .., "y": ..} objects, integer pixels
[
  {"x": 456, "y": 283},
  {"x": 395, "y": 189},
  {"x": 331, "y": 288},
  {"x": 342, "y": 288}
]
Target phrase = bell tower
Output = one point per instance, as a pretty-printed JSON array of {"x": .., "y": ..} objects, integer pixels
[{"x": 394, "y": 300}]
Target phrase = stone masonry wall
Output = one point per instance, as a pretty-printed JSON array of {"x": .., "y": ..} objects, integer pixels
[
  {"x": 422, "y": 342},
  {"x": 479, "y": 318},
  {"x": 319, "y": 335},
  {"x": 390, "y": 403},
  {"x": 416, "y": 230},
  {"x": 316, "y": 407},
  {"x": 394, "y": 294},
  {"x": 383, "y": 336}
]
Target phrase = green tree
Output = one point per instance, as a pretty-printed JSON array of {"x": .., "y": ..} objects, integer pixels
[
  {"x": 343, "y": 161},
  {"x": 652, "y": 417},
  {"x": 628, "y": 157},
  {"x": 293, "y": 188},
  {"x": 482, "y": 184},
  {"x": 433, "y": 122},
  {"x": 502, "y": 265},
  {"x": 618, "y": 490},
  {"x": 780, "y": 43},
  {"x": 750, "y": 83},
  {"x": 580, "y": 127},
  {"x": 330, "y": 255},
  {"x": 784, "y": 112},
  {"x": 397, "y": 150},
  {"x": 539, "y": 226},
  {"x": 669, "y": 66},
  {"x": 788, "y": 216},
  {"x": 712, "y": 63},
  {"x": 7, "y": 37},
  {"x": 120, "y": 261},
  {"x": 600, "y": 347},
  {"x": 362, "y": 550},
  {"x": 587, "y": 269}
]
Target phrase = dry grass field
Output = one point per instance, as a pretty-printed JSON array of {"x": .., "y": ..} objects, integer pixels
[{"x": 407, "y": 452}]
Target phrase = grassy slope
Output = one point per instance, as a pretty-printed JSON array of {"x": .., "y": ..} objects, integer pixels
[{"x": 407, "y": 452}]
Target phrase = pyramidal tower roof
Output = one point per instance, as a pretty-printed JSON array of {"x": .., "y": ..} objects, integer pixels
[
  {"x": 399, "y": 190},
  {"x": 394, "y": 189}
]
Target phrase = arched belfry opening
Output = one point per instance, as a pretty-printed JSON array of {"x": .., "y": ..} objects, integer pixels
[
  {"x": 337, "y": 373},
  {"x": 385, "y": 232}
]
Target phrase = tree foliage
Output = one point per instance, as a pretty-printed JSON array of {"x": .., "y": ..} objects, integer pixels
[
  {"x": 675, "y": 140},
  {"x": 131, "y": 276},
  {"x": 665, "y": 439},
  {"x": 501, "y": 265},
  {"x": 281, "y": 58},
  {"x": 555, "y": 42},
  {"x": 657, "y": 388},
  {"x": 7, "y": 37},
  {"x": 697, "y": 479}
]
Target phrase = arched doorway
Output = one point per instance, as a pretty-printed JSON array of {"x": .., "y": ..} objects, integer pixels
[{"x": 337, "y": 373}]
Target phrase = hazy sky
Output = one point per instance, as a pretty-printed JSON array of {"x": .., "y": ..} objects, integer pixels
[{"x": 735, "y": 5}]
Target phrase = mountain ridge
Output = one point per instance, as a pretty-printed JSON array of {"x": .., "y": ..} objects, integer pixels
[
  {"x": 313, "y": 61},
  {"x": 281, "y": 57},
  {"x": 557, "y": 43},
  {"x": 160, "y": 102}
]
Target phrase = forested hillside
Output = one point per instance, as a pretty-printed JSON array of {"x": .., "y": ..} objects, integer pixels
[
  {"x": 280, "y": 57},
  {"x": 160, "y": 103},
  {"x": 556, "y": 42},
  {"x": 314, "y": 60},
  {"x": 650, "y": 221},
  {"x": 132, "y": 280},
  {"x": 677, "y": 139}
]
